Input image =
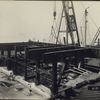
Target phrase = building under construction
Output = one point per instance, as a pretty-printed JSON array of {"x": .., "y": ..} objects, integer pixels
[{"x": 65, "y": 70}]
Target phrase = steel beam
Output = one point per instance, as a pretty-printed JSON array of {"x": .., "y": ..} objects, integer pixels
[
  {"x": 37, "y": 53},
  {"x": 58, "y": 55}
]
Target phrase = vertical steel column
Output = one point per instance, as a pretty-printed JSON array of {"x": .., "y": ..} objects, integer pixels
[
  {"x": 15, "y": 60},
  {"x": 37, "y": 72},
  {"x": 76, "y": 60},
  {"x": 55, "y": 84},
  {"x": 26, "y": 57},
  {"x": 7, "y": 61},
  {"x": 15, "y": 49},
  {"x": 2, "y": 52},
  {"x": 9, "y": 53},
  {"x": 82, "y": 62}
]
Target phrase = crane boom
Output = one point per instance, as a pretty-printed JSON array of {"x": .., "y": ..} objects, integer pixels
[
  {"x": 71, "y": 26},
  {"x": 95, "y": 37}
]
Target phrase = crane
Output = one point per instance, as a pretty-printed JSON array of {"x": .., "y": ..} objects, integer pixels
[
  {"x": 68, "y": 14},
  {"x": 95, "y": 37}
]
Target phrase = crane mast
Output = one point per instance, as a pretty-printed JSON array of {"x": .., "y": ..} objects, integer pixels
[{"x": 71, "y": 30}]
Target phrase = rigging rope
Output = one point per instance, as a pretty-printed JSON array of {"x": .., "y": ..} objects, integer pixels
[
  {"x": 54, "y": 27},
  {"x": 91, "y": 19}
]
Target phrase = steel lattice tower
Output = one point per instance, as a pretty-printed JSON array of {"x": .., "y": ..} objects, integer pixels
[{"x": 71, "y": 30}]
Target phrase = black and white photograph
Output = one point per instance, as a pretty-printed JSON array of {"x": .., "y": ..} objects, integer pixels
[{"x": 49, "y": 50}]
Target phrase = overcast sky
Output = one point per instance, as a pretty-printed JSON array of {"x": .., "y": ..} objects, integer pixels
[{"x": 24, "y": 20}]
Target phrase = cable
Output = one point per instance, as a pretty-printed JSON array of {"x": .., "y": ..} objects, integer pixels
[
  {"x": 81, "y": 19},
  {"x": 82, "y": 5},
  {"x": 93, "y": 21}
]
